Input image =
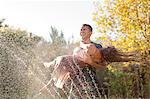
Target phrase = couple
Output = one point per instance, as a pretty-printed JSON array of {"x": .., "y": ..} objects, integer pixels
[{"x": 76, "y": 74}]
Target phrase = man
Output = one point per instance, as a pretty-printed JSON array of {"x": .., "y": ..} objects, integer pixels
[
  {"x": 90, "y": 53},
  {"x": 76, "y": 74}
]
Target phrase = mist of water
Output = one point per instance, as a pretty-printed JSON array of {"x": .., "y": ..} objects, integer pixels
[{"x": 24, "y": 76}]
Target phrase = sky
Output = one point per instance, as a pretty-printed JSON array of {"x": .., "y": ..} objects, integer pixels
[{"x": 37, "y": 16}]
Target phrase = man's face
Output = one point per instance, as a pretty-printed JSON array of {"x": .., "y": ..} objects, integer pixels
[{"x": 85, "y": 32}]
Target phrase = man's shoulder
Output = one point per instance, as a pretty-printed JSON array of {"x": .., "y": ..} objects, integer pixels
[{"x": 96, "y": 44}]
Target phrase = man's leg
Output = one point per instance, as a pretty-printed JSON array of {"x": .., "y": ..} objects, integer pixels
[{"x": 91, "y": 80}]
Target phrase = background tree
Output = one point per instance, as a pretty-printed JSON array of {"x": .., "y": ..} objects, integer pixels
[
  {"x": 14, "y": 62},
  {"x": 58, "y": 43},
  {"x": 22, "y": 54},
  {"x": 124, "y": 24}
]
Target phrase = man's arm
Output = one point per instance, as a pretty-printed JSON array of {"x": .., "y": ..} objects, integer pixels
[{"x": 89, "y": 53}]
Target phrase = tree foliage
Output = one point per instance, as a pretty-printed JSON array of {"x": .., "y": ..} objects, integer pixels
[
  {"x": 18, "y": 63},
  {"x": 22, "y": 55},
  {"x": 14, "y": 62},
  {"x": 125, "y": 25},
  {"x": 125, "y": 20},
  {"x": 57, "y": 38}
]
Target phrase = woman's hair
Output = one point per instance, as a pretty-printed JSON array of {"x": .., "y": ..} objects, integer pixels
[{"x": 111, "y": 54}]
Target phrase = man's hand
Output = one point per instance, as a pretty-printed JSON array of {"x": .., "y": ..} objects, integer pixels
[
  {"x": 91, "y": 49},
  {"x": 94, "y": 53}
]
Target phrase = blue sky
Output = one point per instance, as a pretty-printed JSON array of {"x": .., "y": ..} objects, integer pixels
[{"x": 37, "y": 16}]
